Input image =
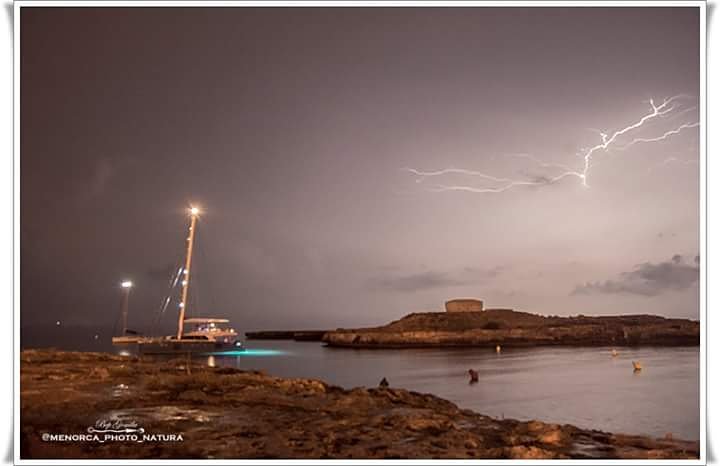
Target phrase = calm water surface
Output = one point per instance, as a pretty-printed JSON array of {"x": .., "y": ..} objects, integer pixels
[{"x": 581, "y": 386}]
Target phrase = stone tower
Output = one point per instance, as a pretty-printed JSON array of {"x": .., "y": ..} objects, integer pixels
[{"x": 464, "y": 305}]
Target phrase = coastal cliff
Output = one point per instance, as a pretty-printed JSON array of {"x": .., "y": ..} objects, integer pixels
[
  {"x": 186, "y": 409},
  {"x": 510, "y": 328}
]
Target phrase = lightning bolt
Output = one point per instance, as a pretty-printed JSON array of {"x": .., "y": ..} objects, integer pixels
[
  {"x": 512, "y": 184},
  {"x": 670, "y": 160},
  {"x": 447, "y": 171},
  {"x": 608, "y": 141},
  {"x": 509, "y": 183},
  {"x": 682, "y": 112},
  {"x": 660, "y": 138},
  {"x": 657, "y": 110}
]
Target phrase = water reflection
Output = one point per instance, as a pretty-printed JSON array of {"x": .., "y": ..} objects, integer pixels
[
  {"x": 593, "y": 388},
  {"x": 250, "y": 352},
  {"x": 588, "y": 387}
]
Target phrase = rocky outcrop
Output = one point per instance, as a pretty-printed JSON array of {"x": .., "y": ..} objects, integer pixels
[
  {"x": 226, "y": 413},
  {"x": 511, "y": 328}
]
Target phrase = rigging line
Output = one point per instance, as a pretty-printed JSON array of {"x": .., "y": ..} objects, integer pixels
[
  {"x": 192, "y": 300},
  {"x": 165, "y": 302},
  {"x": 172, "y": 287},
  {"x": 192, "y": 287},
  {"x": 206, "y": 282},
  {"x": 201, "y": 281},
  {"x": 212, "y": 285}
]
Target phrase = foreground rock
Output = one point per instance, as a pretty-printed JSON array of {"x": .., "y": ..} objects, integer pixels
[
  {"x": 228, "y": 413},
  {"x": 511, "y": 328}
]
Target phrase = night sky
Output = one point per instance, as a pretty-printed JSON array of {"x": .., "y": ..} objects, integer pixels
[{"x": 315, "y": 139}]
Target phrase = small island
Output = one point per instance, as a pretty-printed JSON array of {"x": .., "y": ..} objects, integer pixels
[{"x": 465, "y": 323}]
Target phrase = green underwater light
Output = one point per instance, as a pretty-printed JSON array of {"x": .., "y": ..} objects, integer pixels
[{"x": 250, "y": 352}]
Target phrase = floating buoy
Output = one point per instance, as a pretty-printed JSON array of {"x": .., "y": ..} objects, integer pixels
[
  {"x": 384, "y": 383},
  {"x": 637, "y": 367},
  {"x": 473, "y": 376},
  {"x": 497, "y": 348},
  {"x": 614, "y": 353}
]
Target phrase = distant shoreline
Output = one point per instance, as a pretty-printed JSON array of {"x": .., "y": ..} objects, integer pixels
[
  {"x": 507, "y": 328},
  {"x": 504, "y": 327}
]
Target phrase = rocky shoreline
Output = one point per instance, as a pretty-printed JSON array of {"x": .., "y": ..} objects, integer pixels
[
  {"x": 229, "y": 413},
  {"x": 510, "y": 328}
]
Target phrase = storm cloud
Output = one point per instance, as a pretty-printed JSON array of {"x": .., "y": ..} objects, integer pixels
[
  {"x": 414, "y": 282},
  {"x": 433, "y": 279},
  {"x": 294, "y": 151},
  {"x": 648, "y": 279}
]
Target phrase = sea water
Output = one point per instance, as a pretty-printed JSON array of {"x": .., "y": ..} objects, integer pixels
[{"x": 586, "y": 387}]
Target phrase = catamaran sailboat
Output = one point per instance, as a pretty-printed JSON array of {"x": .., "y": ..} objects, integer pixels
[{"x": 206, "y": 334}]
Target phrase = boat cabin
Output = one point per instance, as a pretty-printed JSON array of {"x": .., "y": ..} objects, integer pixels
[{"x": 209, "y": 329}]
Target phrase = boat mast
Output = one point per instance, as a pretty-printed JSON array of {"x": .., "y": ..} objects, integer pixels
[{"x": 194, "y": 212}]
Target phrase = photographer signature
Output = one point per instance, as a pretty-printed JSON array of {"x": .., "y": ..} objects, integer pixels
[{"x": 115, "y": 426}]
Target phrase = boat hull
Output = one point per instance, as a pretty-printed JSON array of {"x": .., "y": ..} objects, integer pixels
[
  {"x": 126, "y": 340},
  {"x": 184, "y": 346}
]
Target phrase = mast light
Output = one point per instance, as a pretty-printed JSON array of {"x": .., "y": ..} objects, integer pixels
[{"x": 126, "y": 284}]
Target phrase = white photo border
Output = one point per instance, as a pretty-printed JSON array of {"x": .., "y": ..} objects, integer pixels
[{"x": 19, "y": 4}]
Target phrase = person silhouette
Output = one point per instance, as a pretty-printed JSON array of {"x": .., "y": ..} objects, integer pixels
[{"x": 473, "y": 376}]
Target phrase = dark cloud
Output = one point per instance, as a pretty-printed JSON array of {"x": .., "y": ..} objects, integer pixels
[
  {"x": 504, "y": 294},
  {"x": 481, "y": 273},
  {"x": 535, "y": 177},
  {"x": 415, "y": 282},
  {"x": 542, "y": 179},
  {"x": 648, "y": 279},
  {"x": 431, "y": 279}
]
